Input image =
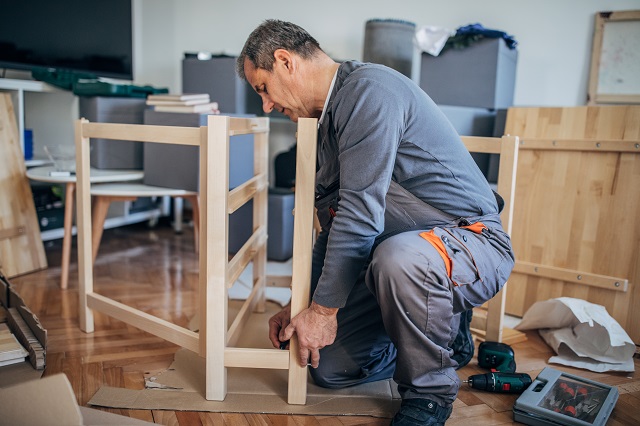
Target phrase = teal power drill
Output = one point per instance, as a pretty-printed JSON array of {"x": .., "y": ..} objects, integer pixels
[
  {"x": 500, "y": 382},
  {"x": 496, "y": 357}
]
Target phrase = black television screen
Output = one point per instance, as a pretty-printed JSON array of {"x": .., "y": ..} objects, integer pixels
[{"x": 94, "y": 36}]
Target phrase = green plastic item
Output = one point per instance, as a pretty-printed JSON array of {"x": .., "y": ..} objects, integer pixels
[
  {"x": 64, "y": 79},
  {"x": 86, "y": 84},
  {"x": 102, "y": 88}
]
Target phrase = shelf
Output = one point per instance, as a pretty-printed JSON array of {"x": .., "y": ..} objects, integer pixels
[
  {"x": 114, "y": 222},
  {"x": 26, "y": 85}
]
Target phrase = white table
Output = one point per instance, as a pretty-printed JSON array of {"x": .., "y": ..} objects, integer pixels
[
  {"x": 42, "y": 174},
  {"x": 104, "y": 193}
]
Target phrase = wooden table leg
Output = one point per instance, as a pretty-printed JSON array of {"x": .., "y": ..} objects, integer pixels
[
  {"x": 68, "y": 231},
  {"x": 195, "y": 208},
  {"x": 99, "y": 215}
]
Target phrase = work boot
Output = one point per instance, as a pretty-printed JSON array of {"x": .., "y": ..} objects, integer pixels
[
  {"x": 463, "y": 346},
  {"x": 423, "y": 412}
]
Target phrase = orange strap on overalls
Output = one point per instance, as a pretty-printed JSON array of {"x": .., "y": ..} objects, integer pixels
[{"x": 437, "y": 243}]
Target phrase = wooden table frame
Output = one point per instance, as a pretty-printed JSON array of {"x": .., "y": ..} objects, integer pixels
[{"x": 215, "y": 340}]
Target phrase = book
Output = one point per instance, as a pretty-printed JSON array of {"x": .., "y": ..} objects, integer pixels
[
  {"x": 10, "y": 348},
  {"x": 178, "y": 103},
  {"x": 208, "y": 107},
  {"x": 178, "y": 97}
]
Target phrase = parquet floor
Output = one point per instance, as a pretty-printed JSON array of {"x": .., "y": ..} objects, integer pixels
[{"x": 164, "y": 267}]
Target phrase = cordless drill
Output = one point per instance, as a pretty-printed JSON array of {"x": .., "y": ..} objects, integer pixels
[
  {"x": 496, "y": 357},
  {"x": 500, "y": 359},
  {"x": 500, "y": 382}
]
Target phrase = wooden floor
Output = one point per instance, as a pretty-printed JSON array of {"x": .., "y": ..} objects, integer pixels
[{"x": 164, "y": 267}]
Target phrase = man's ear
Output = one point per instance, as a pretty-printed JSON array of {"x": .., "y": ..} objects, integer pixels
[{"x": 284, "y": 58}]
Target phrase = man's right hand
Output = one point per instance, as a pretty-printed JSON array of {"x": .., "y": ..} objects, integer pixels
[{"x": 277, "y": 324}]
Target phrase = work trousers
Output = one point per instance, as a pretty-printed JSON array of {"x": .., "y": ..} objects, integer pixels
[{"x": 403, "y": 313}]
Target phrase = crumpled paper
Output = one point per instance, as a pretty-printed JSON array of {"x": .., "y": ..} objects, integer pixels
[
  {"x": 581, "y": 333},
  {"x": 432, "y": 39}
]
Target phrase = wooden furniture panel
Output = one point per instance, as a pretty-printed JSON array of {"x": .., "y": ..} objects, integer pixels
[
  {"x": 575, "y": 230},
  {"x": 21, "y": 249},
  {"x": 215, "y": 340}
]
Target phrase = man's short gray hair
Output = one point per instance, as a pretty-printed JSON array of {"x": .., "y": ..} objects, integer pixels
[{"x": 270, "y": 36}]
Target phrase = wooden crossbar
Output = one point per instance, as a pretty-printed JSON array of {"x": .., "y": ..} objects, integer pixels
[{"x": 135, "y": 132}]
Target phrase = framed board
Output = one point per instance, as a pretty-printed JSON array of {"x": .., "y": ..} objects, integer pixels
[{"x": 615, "y": 59}]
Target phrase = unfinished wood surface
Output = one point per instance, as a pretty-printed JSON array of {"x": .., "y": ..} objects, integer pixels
[
  {"x": 302, "y": 245},
  {"x": 165, "y": 269},
  {"x": 507, "y": 146},
  {"x": 576, "y": 210},
  {"x": 21, "y": 249},
  {"x": 215, "y": 271}
]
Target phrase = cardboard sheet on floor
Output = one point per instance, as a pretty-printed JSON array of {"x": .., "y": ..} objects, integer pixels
[
  {"x": 181, "y": 387},
  {"x": 51, "y": 401}
]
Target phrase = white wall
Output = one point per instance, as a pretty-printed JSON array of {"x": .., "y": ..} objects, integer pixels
[{"x": 554, "y": 36}]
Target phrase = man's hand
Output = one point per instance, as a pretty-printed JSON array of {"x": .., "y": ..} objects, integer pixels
[
  {"x": 316, "y": 327},
  {"x": 277, "y": 324}
]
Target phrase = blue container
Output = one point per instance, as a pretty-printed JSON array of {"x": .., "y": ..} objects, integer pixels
[{"x": 28, "y": 144}]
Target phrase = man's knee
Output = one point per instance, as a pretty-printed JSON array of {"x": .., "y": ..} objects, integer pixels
[
  {"x": 406, "y": 258},
  {"x": 329, "y": 375}
]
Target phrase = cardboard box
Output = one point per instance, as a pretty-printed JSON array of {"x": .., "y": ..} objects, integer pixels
[
  {"x": 482, "y": 75},
  {"x": 51, "y": 401},
  {"x": 26, "y": 327}
]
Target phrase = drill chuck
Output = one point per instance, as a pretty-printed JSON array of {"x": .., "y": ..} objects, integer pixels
[{"x": 500, "y": 382}]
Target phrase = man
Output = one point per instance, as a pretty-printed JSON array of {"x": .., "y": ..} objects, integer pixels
[{"x": 410, "y": 235}]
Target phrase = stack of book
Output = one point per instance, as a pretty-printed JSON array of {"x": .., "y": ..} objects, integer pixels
[
  {"x": 185, "y": 102},
  {"x": 11, "y": 351}
]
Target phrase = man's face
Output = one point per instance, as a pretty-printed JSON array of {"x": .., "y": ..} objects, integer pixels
[{"x": 277, "y": 88}]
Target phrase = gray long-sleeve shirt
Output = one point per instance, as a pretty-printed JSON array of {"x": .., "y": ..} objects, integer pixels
[{"x": 381, "y": 127}]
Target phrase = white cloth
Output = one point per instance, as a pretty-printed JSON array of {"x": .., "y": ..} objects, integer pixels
[
  {"x": 582, "y": 334},
  {"x": 432, "y": 39}
]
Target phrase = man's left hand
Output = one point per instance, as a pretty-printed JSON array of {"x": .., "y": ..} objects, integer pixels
[{"x": 316, "y": 327}]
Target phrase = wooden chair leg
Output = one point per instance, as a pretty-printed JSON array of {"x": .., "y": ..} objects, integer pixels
[
  {"x": 68, "y": 235},
  {"x": 195, "y": 207},
  {"x": 99, "y": 213}
]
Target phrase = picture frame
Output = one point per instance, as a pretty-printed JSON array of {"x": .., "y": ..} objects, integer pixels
[{"x": 614, "y": 76}]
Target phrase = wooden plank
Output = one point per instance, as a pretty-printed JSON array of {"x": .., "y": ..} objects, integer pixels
[
  {"x": 143, "y": 133},
  {"x": 12, "y": 232},
  {"x": 144, "y": 321},
  {"x": 239, "y": 195},
  {"x": 256, "y": 358},
  {"x": 260, "y": 207},
  {"x": 247, "y": 252},
  {"x": 576, "y": 209},
  {"x": 278, "y": 281},
  {"x": 83, "y": 225},
  {"x": 570, "y": 275},
  {"x": 302, "y": 246},
  {"x": 21, "y": 248},
  {"x": 618, "y": 145},
  {"x": 214, "y": 249},
  {"x": 243, "y": 126},
  {"x": 243, "y": 314},
  {"x": 481, "y": 144}
]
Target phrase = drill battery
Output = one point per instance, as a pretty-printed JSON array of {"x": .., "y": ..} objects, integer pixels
[
  {"x": 496, "y": 357},
  {"x": 557, "y": 398}
]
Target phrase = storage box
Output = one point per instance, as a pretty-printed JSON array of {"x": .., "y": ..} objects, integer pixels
[
  {"x": 177, "y": 166},
  {"x": 280, "y": 224},
  {"x": 482, "y": 75},
  {"x": 217, "y": 77},
  {"x": 114, "y": 154}
]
